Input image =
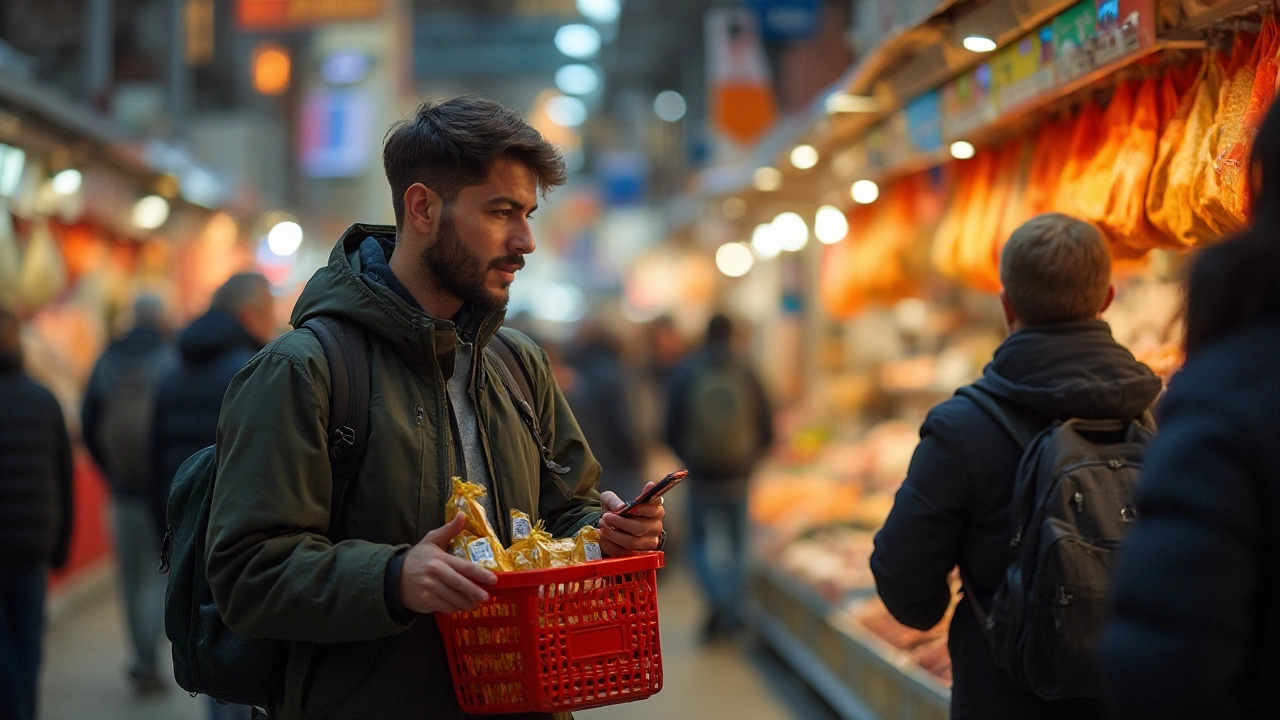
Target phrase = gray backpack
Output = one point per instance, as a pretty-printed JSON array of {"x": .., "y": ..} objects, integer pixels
[
  {"x": 1073, "y": 504},
  {"x": 722, "y": 414}
]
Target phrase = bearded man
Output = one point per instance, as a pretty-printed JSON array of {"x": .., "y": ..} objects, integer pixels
[{"x": 430, "y": 293}]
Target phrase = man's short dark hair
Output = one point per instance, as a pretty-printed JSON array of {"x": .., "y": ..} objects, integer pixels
[
  {"x": 240, "y": 291},
  {"x": 1055, "y": 268},
  {"x": 450, "y": 144}
]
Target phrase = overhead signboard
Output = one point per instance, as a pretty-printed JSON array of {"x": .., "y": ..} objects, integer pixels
[{"x": 290, "y": 14}]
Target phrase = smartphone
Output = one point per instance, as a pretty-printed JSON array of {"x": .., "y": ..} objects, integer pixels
[{"x": 657, "y": 491}]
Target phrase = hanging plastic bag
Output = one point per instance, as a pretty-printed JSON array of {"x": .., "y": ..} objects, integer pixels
[
  {"x": 44, "y": 276},
  {"x": 1177, "y": 109},
  {"x": 1215, "y": 193},
  {"x": 1171, "y": 192}
]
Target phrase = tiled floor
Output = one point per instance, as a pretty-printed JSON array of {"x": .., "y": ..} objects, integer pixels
[{"x": 84, "y": 672}]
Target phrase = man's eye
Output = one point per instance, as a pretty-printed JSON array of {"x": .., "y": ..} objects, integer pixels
[{"x": 502, "y": 213}]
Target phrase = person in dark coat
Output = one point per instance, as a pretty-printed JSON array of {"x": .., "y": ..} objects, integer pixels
[
  {"x": 720, "y": 424},
  {"x": 602, "y": 404},
  {"x": 116, "y": 419},
  {"x": 212, "y": 349},
  {"x": 1060, "y": 361},
  {"x": 1196, "y": 631},
  {"x": 35, "y": 519}
]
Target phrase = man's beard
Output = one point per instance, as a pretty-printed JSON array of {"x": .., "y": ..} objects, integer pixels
[{"x": 460, "y": 272}]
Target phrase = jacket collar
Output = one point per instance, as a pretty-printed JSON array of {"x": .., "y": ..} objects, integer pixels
[{"x": 341, "y": 288}]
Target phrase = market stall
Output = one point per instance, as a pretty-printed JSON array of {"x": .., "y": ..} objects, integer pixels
[{"x": 1135, "y": 115}]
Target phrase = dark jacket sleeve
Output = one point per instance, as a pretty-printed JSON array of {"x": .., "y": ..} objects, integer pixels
[
  {"x": 66, "y": 491},
  {"x": 920, "y": 541},
  {"x": 1181, "y": 631},
  {"x": 766, "y": 414},
  {"x": 91, "y": 412}
]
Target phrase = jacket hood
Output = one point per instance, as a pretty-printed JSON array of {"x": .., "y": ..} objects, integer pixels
[
  {"x": 213, "y": 334},
  {"x": 342, "y": 288},
  {"x": 1071, "y": 370}
]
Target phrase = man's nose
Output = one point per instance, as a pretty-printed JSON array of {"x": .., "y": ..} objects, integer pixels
[{"x": 521, "y": 241}]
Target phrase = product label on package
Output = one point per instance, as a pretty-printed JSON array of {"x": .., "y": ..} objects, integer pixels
[
  {"x": 520, "y": 528},
  {"x": 592, "y": 551},
  {"x": 480, "y": 551}
]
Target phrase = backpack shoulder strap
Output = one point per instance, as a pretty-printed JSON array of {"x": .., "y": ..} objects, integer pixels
[
  {"x": 515, "y": 377},
  {"x": 347, "y": 350},
  {"x": 1007, "y": 422}
]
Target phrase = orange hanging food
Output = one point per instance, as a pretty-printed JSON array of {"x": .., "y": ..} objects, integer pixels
[
  {"x": 1175, "y": 109},
  {"x": 1125, "y": 219},
  {"x": 1048, "y": 158},
  {"x": 977, "y": 255},
  {"x": 836, "y": 275},
  {"x": 1015, "y": 211},
  {"x": 1093, "y": 188},
  {"x": 942, "y": 254},
  {"x": 1085, "y": 138},
  {"x": 1233, "y": 160},
  {"x": 1216, "y": 193},
  {"x": 1171, "y": 192}
]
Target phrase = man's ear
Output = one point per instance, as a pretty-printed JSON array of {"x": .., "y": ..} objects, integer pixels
[
  {"x": 1010, "y": 316},
  {"x": 422, "y": 209},
  {"x": 1111, "y": 295}
]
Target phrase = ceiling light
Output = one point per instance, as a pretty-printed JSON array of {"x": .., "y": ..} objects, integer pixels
[
  {"x": 733, "y": 208},
  {"x": 669, "y": 105},
  {"x": 734, "y": 259},
  {"x": 804, "y": 157},
  {"x": 791, "y": 231},
  {"x": 285, "y": 238},
  {"x": 67, "y": 182},
  {"x": 578, "y": 40},
  {"x": 767, "y": 179},
  {"x": 839, "y": 102},
  {"x": 566, "y": 111},
  {"x": 577, "y": 79},
  {"x": 979, "y": 44},
  {"x": 962, "y": 150},
  {"x": 150, "y": 212},
  {"x": 864, "y": 192},
  {"x": 830, "y": 225},
  {"x": 601, "y": 11},
  {"x": 765, "y": 241}
]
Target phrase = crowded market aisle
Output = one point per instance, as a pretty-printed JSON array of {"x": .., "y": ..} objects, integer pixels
[{"x": 83, "y": 677}]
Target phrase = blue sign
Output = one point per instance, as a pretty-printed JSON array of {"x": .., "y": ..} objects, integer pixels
[
  {"x": 924, "y": 121},
  {"x": 787, "y": 19}
]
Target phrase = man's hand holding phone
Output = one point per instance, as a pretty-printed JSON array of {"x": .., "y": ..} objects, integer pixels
[{"x": 626, "y": 528}]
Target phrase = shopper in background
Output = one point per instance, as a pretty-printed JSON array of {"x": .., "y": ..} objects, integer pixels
[
  {"x": 213, "y": 348},
  {"x": 720, "y": 425},
  {"x": 602, "y": 405},
  {"x": 1059, "y": 362},
  {"x": 35, "y": 519},
  {"x": 116, "y": 420},
  {"x": 429, "y": 295},
  {"x": 1196, "y": 631}
]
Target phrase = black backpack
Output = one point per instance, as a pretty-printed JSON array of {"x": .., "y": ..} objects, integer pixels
[
  {"x": 1073, "y": 504},
  {"x": 722, "y": 414},
  {"x": 208, "y": 657}
]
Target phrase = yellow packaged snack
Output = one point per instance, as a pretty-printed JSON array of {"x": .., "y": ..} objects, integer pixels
[
  {"x": 483, "y": 551},
  {"x": 521, "y": 527},
  {"x": 466, "y": 499},
  {"x": 586, "y": 546},
  {"x": 561, "y": 552},
  {"x": 532, "y": 552}
]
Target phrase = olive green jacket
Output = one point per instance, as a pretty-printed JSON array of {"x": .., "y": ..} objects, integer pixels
[{"x": 274, "y": 573}]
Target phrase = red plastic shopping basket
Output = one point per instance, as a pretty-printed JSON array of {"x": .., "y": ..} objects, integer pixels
[{"x": 561, "y": 639}]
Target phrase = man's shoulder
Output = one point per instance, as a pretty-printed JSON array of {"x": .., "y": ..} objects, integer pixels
[
  {"x": 531, "y": 354},
  {"x": 299, "y": 348},
  {"x": 957, "y": 419}
]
